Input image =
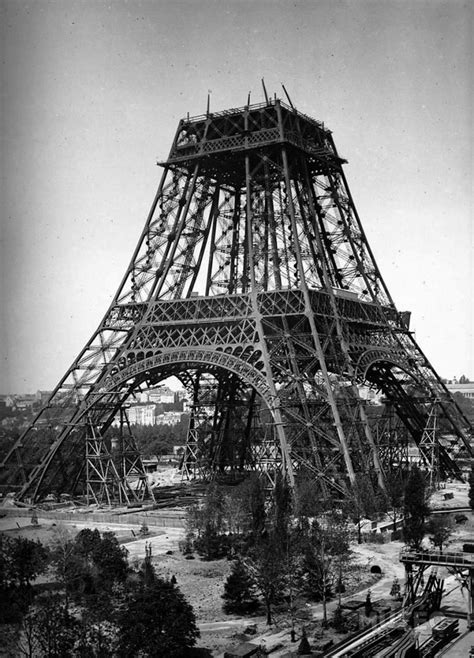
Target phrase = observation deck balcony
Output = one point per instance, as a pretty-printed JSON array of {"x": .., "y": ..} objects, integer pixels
[
  {"x": 228, "y": 135},
  {"x": 224, "y": 308}
]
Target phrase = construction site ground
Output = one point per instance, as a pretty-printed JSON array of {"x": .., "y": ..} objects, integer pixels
[{"x": 202, "y": 582}]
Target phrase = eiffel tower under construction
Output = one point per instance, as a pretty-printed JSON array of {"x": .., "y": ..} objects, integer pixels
[{"x": 254, "y": 284}]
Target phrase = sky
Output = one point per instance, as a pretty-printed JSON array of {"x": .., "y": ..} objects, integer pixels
[{"x": 91, "y": 95}]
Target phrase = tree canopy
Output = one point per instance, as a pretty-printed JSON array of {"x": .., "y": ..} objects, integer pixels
[
  {"x": 415, "y": 509},
  {"x": 157, "y": 621}
]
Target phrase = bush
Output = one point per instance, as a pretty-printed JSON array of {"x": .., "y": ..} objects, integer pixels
[
  {"x": 144, "y": 531},
  {"x": 186, "y": 546},
  {"x": 211, "y": 546}
]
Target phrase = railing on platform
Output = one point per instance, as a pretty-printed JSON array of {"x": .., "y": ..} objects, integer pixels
[{"x": 460, "y": 560}]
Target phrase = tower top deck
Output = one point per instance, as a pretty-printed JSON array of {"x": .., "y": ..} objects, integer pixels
[
  {"x": 256, "y": 107},
  {"x": 219, "y": 139}
]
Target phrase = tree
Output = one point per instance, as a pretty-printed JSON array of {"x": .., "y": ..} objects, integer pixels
[
  {"x": 160, "y": 439},
  {"x": 282, "y": 509},
  {"x": 65, "y": 560},
  {"x": 157, "y": 621},
  {"x": 110, "y": 560},
  {"x": 49, "y": 629},
  {"x": 395, "y": 487},
  {"x": 89, "y": 565},
  {"x": 266, "y": 563},
  {"x": 208, "y": 521},
  {"x": 396, "y": 590},
  {"x": 21, "y": 561},
  {"x": 287, "y": 535},
  {"x": 239, "y": 591},
  {"x": 440, "y": 529},
  {"x": 21, "y": 640},
  {"x": 309, "y": 501},
  {"x": 87, "y": 541},
  {"x": 25, "y": 560},
  {"x": 415, "y": 509},
  {"x": 268, "y": 555},
  {"x": 325, "y": 555},
  {"x": 236, "y": 512},
  {"x": 256, "y": 500},
  {"x": 97, "y": 639},
  {"x": 366, "y": 502}
]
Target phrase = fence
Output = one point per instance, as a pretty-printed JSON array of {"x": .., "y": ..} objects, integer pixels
[{"x": 152, "y": 518}]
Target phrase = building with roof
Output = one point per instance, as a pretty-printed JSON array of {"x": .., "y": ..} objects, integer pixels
[{"x": 467, "y": 390}]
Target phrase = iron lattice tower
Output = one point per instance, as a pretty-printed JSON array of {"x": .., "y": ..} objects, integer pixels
[{"x": 253, "y": 283}]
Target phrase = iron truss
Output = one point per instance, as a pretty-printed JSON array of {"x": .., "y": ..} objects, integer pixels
[{"x": 252, "y": 282}]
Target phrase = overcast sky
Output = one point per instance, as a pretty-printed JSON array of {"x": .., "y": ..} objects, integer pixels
[{"x": 91, "y": 95}]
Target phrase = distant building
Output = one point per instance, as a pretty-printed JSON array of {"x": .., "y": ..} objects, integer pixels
[
  {"x": 182, "y": 394},
  {"x": 168, "y": 418},
  {"x": 159, "y": 395},
  {"x": 25, "y": 402},
  {"x": 19, "y": 402},
  {"x": 139, "y": 414},
  {"x": 145, "y": 414},
  {"x": 467, "y": 390},
  {"x": 43, "y": 396}
]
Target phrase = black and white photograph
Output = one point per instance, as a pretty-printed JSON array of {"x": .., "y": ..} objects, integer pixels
[{"x": 236, "y": 328}]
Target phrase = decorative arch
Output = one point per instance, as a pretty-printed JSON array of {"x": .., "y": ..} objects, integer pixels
[
  {"x": 380, "y": 355},
  {"x": 215, "y": 358}
]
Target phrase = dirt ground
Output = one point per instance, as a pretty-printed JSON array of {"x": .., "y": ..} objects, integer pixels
[{"x": 202, "y": 582}]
